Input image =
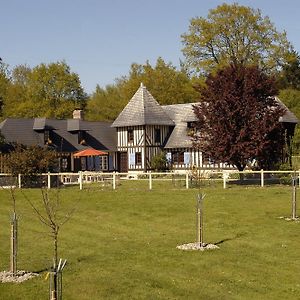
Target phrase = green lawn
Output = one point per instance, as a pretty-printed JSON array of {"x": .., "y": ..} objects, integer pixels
[{"x": 122, "y": 244}]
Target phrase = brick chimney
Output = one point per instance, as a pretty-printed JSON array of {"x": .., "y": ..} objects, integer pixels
[{"x": 78, "y": 114}]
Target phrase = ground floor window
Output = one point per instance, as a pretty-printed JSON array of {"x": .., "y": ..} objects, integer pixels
[
  {"x": 64, "y": 164},
  {"x": 178, "y": 157},
  {"x": 83, "y": 163},
  {"x": 101, "y": 163},
  {"x": 138, "y": 158}
]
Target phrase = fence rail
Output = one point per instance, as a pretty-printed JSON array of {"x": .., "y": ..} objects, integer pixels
[{"x": 189, "y": 178}]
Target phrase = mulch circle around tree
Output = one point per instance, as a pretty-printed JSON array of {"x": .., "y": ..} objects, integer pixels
[
  {"x": 7, "y": 276},
  {"x": 197, "y": 246}
]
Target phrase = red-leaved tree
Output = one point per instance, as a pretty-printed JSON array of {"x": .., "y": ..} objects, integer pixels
[{"x": 239, "y": 118}]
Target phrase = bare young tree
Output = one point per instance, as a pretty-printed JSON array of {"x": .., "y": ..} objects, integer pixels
[{"x": 51, "y": 215}]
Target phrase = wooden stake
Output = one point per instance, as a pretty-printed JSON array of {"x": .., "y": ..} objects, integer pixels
[
  {"x": 200, "y": 198},
  {"x": 13, "y": 243}
]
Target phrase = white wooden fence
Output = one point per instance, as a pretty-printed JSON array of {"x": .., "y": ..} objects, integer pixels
[{"x": 188, "y": 177}]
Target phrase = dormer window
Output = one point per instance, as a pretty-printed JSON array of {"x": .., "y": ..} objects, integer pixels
[
  {"x": 81, "y": 137},
  {"x": 130, "y": 135},
  {"x": 191, "y": 128},
  {"x": 47, "y": 137}
]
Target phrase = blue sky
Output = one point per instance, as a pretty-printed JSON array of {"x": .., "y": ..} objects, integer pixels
[{"x": 99, "y": 40}]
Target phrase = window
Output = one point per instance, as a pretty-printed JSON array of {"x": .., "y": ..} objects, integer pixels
[
  {"x": 178, "y": 157},
  {"x": 103, "y": 163},
  {"x": 64, "y": 164},
  {"x": 83, "y": 163},
  {"x": 157, "y": 138},
  {"x": 81, "y": 137},
  {"x": 47, "y": 139},
  {"x": 138, "y": 158},
  {"x": 130, "y": 135}
]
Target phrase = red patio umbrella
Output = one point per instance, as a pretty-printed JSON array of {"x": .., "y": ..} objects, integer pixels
[{"x": 89, "y": 152}]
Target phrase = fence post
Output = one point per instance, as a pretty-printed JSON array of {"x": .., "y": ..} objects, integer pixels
[
  {"x": 294, "y": 197},
  {"x": 19, "y": 181},
  {"x": 114, "y": 180},
  {"x": 187, "y": 179},
  {"x": 150, "y": 181},
  {"x": 224, "y": 179},
  {"x": 80, "y": 180},
  {"x": 49, "y": 181},
  {"x": 262, "y": 178}
]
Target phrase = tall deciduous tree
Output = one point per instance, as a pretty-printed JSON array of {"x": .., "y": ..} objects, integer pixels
[
  {"x": 239, "y": 118},
  {"x": 48, "y": 90},
  {"x": 17, "y": 91},
  {"x": 167, "y": 85},
  {"x": 291, "y": 98},
  {"x": 289, "y": 77},
  {"x": 233, "y": 34},
  {"x": 4, "y": 84}
]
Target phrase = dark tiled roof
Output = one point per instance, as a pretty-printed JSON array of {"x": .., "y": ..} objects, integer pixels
[
  {"x": 180, "y": 114},
  {"x": 183, "y": 113},
  {"x": 76, "y": 124},
  {"x": 98, "y": 135},
  {"x": 289, "y": 116},
  {"x": 142, "y": 109}
]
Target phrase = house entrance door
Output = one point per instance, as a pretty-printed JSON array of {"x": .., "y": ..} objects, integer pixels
[{"x": 123, "y": 162}]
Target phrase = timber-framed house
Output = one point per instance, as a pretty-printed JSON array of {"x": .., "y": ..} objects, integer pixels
[{"x": 141, "y": 131}]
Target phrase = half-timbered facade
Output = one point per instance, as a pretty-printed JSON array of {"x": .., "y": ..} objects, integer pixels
[{"x": 143, "y": 129}]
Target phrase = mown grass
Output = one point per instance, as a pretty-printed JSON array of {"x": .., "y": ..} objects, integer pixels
[{"x": 122, "y": 244}]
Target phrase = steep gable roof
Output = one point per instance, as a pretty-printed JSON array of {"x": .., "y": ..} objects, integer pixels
[
  {"x": 180, "y": 114},
  {"x": 142, "y": 109}
]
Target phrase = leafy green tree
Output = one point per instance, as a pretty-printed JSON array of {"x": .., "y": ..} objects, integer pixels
[
  {"x": 289, "y": 77},
  {"x": 105, "y": 104},
  {"x": 233, "y": 34},
  {"x": 236, "y": 125},
  {"x": 16, "y": 92},
  {"x": 167, "y": 85},
  {"x": 51, "y": 91},
  {"x": 4, "y": 84},
  {"x": 291, "y": 98},
  {"x": 30, "y": 161}
]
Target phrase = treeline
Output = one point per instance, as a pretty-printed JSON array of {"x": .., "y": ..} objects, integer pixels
[{"x": 53, "y": 91}]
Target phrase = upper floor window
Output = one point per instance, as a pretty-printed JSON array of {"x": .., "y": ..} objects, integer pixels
[
  {"x": 81, "y": 137},
  {"x": 130, "y": 135},
  {"x": 47, "y": 137},
  {"x": 157, "y": 138}
]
